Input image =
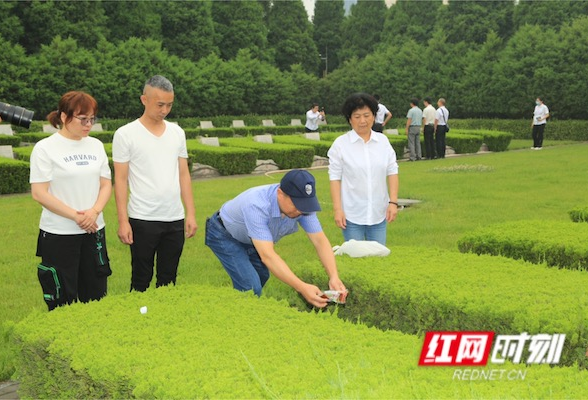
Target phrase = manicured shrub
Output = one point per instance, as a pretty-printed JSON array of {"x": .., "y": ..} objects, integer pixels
[
  {"x": 556, "y": 243},
  {"x": 415, "y": 290},
  {"x": 104, "y": 136},
  {"x": 32, "y": 137},
  {"x": 227, "y": 160},
  {"x": 284, "y": 155},
  {"x": 205, "y": 342},
  {"x": 495, "y": 140},
  {"x": 579, "y": 214},
  {"x": 464, "y": 143},
  {"x": 320, "y": 146},
  {"x": 15, "y": 176},
  {"x": 9, "y": 140},
  {"x": 23, "y": 153}
]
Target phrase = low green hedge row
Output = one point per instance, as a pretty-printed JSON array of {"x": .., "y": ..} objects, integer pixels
[
  {"x": 415, "y": 290},
  {"x": 398, "y": 142},
  {"x": 204, "y": 342},
  {"x": 557, "y": 243},
  {"x": 284, "y": 155},
  {"x": 579, "y": 214},
  {"x": 495, "y": 140},
  {"x": 321, "y": 147},
  {"x": 15, "y": 176},
  {"x": 521, "y": 128},
  {"x": 9, "y": 140},
  {"x": 227, "y": 160}
]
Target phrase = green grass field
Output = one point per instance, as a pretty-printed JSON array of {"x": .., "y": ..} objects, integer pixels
[{"x": 458, "y": 194}]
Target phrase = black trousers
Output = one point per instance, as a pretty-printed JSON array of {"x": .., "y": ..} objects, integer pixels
[
  {"x": 538, "y": 135},
  {"x": 73, "y": 267},
  {"x": 151, "y": 238},
  {"x": 440, "y": 140},
  {"x": 378, "y": 127},
  {"x": 429, "y": 135}
]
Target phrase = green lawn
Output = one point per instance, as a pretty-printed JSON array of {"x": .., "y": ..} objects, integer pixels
[{"x": 458, "y": 194}]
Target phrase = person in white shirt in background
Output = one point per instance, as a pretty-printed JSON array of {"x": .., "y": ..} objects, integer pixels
[
  {"x": 71, "y": 179},
  {"x": 313, "y": 116},
  {"x": 429, "y": 128},
  {"x": 383, "y": 115},
  {"x": 441, "y": 127},
  {"x": 540, "y": 115},
  {"x": 364, "y": 174}
]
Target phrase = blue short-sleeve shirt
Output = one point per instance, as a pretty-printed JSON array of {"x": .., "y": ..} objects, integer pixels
[{"x": 255, "y": 214}]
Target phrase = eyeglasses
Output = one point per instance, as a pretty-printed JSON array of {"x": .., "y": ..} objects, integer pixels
[{"x": 84, "y": 120}]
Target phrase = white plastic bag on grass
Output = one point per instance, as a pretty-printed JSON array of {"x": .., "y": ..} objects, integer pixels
[{"x": 362, "y": 248}]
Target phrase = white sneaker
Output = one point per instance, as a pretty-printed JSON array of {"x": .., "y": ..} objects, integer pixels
[
  {"x": 538, "y": 148},
  {"x": 533, "y": 148}
]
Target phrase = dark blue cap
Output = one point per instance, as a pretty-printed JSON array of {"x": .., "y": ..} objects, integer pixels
[{"x": 300, "y": 186}]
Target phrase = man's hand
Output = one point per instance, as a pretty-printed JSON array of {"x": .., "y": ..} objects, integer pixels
[
  {"x": 190, "y": 227},
  {"x": 336, "y": 284},
  {"x": 312, "y": 295},
  {"x": 125, "y": 232}
]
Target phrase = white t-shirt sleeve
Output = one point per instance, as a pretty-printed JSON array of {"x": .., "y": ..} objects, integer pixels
[
  {"x": 120, "y": 147},
  {"x": 41, "y": 169}
]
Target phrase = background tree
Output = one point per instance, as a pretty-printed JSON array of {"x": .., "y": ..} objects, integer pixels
[
  {"x": 139, "y": 19},
  {"x": 362, "y": 29},
  {"x": 187, "y": 29},
  {"x": 11, "y": 29},
  {"x": 290, "y": 36},
  {"x": 83, "y": 20},
  {"x": 327, "y": 22},
  {"x": 239, "y": 25},
  {"x": 471, "y": 21},
  {"x": 409, "y": 19},
  {"x": 548, "y": 13}
]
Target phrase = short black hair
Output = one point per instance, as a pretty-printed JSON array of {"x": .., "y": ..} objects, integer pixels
[
  {"x": 414, "y": 101},
  {"x": 359, "y": 100},
  {"x": 377, "y": 97},
  {"x": 428, "y": 100}
]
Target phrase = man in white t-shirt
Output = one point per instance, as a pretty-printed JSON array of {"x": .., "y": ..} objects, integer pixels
[
  {"x": 441, "y": 127},
  {"x": 429, "y": 114},
  {"x": 313, "y": 116},
  {"x": 151, "y": 159},
  {"x": 382, "y": 116},
  {"x": 540, "y": 115}
]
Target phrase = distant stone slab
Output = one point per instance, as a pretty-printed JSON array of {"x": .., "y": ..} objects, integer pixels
[
  {"x": 203, "y": 171},
  {"x": 296, "y": 122},
  {"x": 391, "y": 132},
  {"x": 97, "y": 128},
  {"x": 206, "y": 125},
  {"x": 312, "y": 136},
  {"x": 268, "y": 122},
  {"x": 209, "y": 141},
  {"x": 319, "y": 161},
  {"x": 49, "y": 128},
  {"x": 263, "y": 138},
  {"x": 238, "y": 123},
  {"x": 6, "y": 151},
  {"x": 6, "y": 130},
  {"x": 264, "y": 166}
]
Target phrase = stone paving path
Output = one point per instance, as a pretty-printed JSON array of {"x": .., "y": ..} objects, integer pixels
[{"x": 8, "y": 390}]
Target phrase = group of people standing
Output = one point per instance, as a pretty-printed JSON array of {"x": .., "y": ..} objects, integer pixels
[
  {"x": 71, "y": 179},
  {"x": 434, "y": 125}
]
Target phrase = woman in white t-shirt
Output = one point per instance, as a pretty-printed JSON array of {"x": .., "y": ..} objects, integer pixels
[
  {"x": 71, "y": 179},
  {"x": 540, "y": 115}
]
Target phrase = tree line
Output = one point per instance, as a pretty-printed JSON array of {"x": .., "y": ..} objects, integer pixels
[{"x": 487, "y": 58}]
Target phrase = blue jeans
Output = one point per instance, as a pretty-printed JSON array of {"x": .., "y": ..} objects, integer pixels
[
  {"x": 240, "y": 260},
  {"x": 375, "y": 232}
]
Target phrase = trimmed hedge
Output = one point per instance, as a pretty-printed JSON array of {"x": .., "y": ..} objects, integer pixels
[
  {"x": 495, "y": 140},
  {"x": 579, "y": 214},
  {"x": 556, "y": 243},
  {"x": 415, "y": 290},
  {"x": 227, "y": 160},
  {"x": 321, "y": 147},
  {"x": 521, "y": 128},
  {"x": 15, "y": 176},
  {"x": 204, "y": 342},
  {"x": 464, "y": 143},
  {"x": 285, "y": 156},
  {"x": 398, "y": 142},
  {"x": 9, "y": 140}
]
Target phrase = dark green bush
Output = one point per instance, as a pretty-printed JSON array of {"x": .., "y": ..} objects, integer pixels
[
  {"x": 285, "y": 156},
  {"x": 495, "y": 140},
  {"x": 464, "y": 143},
  {"x": 418, "y": 289},
  {"x": 556, "y": 243},
  {"x": 15, "y": 176},
  {"x": 320, "y": 146},
  {"x": 227, "y": 160},
  {"x": 579, "y": 214},
  {"x": 219, "y": 343},
  {"x": 9, "y": 140},
  {"x": 32, "y": 137}
]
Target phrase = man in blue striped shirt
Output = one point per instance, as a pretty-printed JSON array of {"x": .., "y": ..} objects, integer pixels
[{"x": 242, "y": 235}]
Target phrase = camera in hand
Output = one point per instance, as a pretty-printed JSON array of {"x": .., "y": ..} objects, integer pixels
[{"x": 16, "y": 115}]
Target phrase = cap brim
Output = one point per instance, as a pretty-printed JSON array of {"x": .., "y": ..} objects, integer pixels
[{"x": 306, "y": 205}]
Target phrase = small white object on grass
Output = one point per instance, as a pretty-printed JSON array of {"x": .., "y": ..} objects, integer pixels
[{"x": 143, "y": 310}]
